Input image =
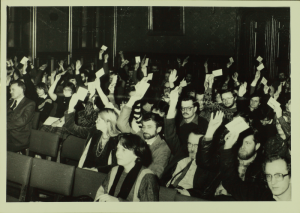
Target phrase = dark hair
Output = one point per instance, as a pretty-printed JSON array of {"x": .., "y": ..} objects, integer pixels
[
  {"x": 190, "y": 98},
  {"x": 17, "y": 72},
  {"x": 256, "y": 95},
  {"x": 228, "y": 90},
  {"x": 154, "y": 117},
  {"x": 20, "y": 84},
  {"x": 43, "y": 86},
  {"x": 84, "y": 72},
  {"x": 266, "y": 112},
  {"x": 271, "y": 158},
  {"x": 243, "y": 115},
  {"x": 251, "y": 131},
  {"x": 138, "y": 146},
  {"x": 71, "y": 85},
  {"x": 161, "y": 106}
]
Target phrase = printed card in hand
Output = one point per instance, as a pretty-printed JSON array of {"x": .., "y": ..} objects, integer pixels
[
  {"x": 217, "y": 72},
  {"x": 104, "y": 47},
  {"x": 207, "y": 77},
  {"x": 231, "y": 60},
  {"x": 146, "y": 61},
  {"x": 273, "y": 103},
  {"x": 82, "y": 93},
  {"x": 183, "y": 83},
  {"x": 137, "y": 59},
  {"x": 150, "y": 76},
  {"x": 237, "y": 125},
  {"x": 260, "y": 67},
  {"x": 264, "y": 81},
  {"x": 259, "y": 59},
  {"x": 91, "y": 86},
  {"x": 50, "y": 120},
  {"x": 24, "y": 60},
  {"x": 100, "y": 73}
]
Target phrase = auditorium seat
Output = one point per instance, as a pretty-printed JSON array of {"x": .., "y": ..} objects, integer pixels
[
  {"x": 18, "y": 173},
  {"x": 167, "y": 194},
  {"x": 50, "y": 180},
  {"x": 72, "y": 149},
  {"x": 87, "y": 182},
  {"x": 44, "y": 144},
  {"x": 35, "y": 121}
]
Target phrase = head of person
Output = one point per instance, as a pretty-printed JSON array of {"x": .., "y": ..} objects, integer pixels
[
  {"x": 69, "y": 89},
  {"x": 161, "y": 108},
  {"x": 16, "y": 75},
  {"x": 281, "y": 76},
  {"x": 154, "y": 68},
  {"x": 126, "y": 68},
  {"x": 167, "y": 89},
  {"x": 200, "y": 99},
  {"x": 188, "y": 77},
  {"x": 266, "y": 116},
  {"x": 111, "y": 76},
  {"x": 72, "y": 80},
  {"x": 17, "y": 89},
  {"x": 188, "y": 107},
  {"x": 228, "y": 98},
  {"x": 278, "y": 174},
  {"x": 192, "y": 144},
  {"x": 107, "y": 122},
  {"x": 133, "y": 149},
  {"x": 147, "y": 105},
  {"x": 41, "y": 89},
  {"x": 130, "y": 73},
  {"x": 83, "y": 76},
  {"x": 254, "y": 101},
  {"x": 217, "y": 97},
  {"x": 151, "y": 125},
  {"x": 250, "y": 144},
  {"x": 167, "y": 75},
  {"x": 192, "y": 92}
]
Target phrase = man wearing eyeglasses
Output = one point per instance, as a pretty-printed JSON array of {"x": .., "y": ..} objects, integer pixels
[
  {"x": 277, "y": 171},
  {"x": 190, "y": 120}
]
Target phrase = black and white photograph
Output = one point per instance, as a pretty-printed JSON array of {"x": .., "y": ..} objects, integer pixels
[{"x": 164, "y": 102}]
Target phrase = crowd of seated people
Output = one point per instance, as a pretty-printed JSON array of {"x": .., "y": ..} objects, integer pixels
[{"x": 145, "y": 127}]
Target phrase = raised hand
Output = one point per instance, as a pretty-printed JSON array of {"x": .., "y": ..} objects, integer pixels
[
  {"x": 179, "y": 60},
  {"x": 278, "y": 111},
  {"x": 111, "y": 88},
  {"x": 242, "y": 89},
  {"x": 78, "y": 65},
  {"x": 266, "y": 89},
  {"x": 206, "y": 64},
  {"x": 136, "y": 66},
  {"x": 185, "y": 61},
  {"x": 235, "y": 76},
  {"x": 173, "y": 76},
  {"x": 211, "y": 80},
  {"x": 230, "y": 139},
  {"x": 106, "y": 57},
  {"x": 43, "y": 67},
  {"x": 214, "y": 122},
  {"x": 257, "y": 75}
]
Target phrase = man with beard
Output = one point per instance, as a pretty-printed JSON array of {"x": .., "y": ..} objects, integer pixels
[
  {"x": 151, "y": 127},
  {"x": 248, "y": 162}
]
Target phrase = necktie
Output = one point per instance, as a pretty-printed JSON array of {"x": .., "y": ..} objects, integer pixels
[
  {"x": 183, "y": 173},
  {"x": 14, "y": 105}
]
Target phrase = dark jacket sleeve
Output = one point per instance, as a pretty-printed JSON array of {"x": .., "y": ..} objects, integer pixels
[
  {"x": 78, "y": 131},
  {"x": 47, "y": 109},
  {"x": 171, "y": 137},
  {"x": 240, "y": 190},
  {"x": 207, "y": 156},
  {"x": 17, "y": 120},
  {"x": 79, "y": 80},
  {"x": 149, "y": 188}
]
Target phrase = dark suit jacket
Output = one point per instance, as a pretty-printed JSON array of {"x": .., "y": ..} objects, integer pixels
[{"x": 19, "y": 124}]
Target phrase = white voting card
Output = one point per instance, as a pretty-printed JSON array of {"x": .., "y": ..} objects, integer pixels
[
  {"x": 82, "y": 93},
  {"x": 217, "y": 72},
  {"x": 237, "y": 125},
  {"x": 100, "y": 73}
]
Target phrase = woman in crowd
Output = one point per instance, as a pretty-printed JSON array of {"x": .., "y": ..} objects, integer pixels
[
  {"x": 44, "y": 103},
  {"x": 130, "y": 180},
  {"x": 102, "y": 139}
]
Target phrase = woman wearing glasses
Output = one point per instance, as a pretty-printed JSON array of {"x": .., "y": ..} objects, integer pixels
[
  {"x": 100, "y": 150},
  {"x": 130, "y": 180}
]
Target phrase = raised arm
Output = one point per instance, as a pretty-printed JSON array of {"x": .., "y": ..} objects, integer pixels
[
  {"x": 78, "y": 131},
  {"x": 51, "y": 93}
]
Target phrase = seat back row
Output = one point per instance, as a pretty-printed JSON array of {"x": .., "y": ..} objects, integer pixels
[{"x": 59, "y": 180}]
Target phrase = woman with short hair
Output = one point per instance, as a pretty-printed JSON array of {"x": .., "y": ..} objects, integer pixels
[{"x": 130, "y": 180}]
